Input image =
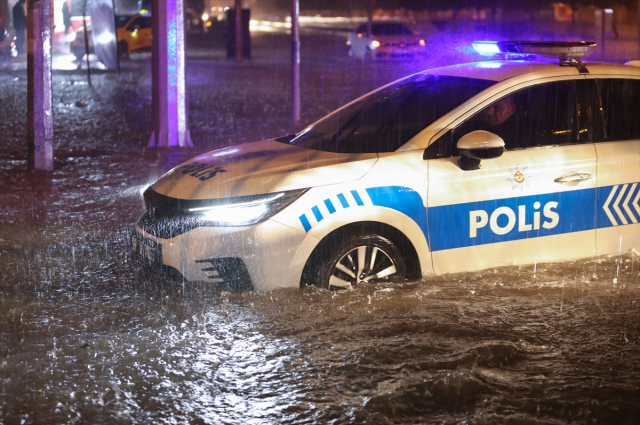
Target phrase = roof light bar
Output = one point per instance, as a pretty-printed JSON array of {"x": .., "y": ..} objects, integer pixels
[
  {"x": 486, "y": 48},
  {"x": 549, "y": 49}
]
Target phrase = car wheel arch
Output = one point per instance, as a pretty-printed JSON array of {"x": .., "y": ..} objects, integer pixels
[{"x": 406, "y": 247}]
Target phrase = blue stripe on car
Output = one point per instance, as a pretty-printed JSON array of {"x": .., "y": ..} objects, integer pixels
[
  {"x": 305, "y": 223},
  {"x": 514, "y": 218},
  {"x": 357, "y": 197},
  {"x": 343, "y": 200},
  {"x": 618, "y": 205},
  {"x": 404, "y": 200},
  {"x": 330, "y": 206},
  {"x": 451, "y": 224},
  {"x": 317, "y": 213}
]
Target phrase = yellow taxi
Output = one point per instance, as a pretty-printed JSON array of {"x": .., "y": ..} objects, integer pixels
[{"x": 133, "y": 33}]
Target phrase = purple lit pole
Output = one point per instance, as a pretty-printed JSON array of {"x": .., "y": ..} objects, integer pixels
[
  {"x": 39, "y": 107},
  {"x": 169, "y": 97},
  {"x": 238, "y": 31},
  {"x": 295, "y": 59},
  {"x": 370, "y": 7}
]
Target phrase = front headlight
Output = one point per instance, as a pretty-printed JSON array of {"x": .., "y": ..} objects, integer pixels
[{"x": 244, "y": 211}]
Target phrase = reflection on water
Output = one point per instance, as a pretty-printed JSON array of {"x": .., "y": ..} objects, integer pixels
[{"x": 87, "y": 337}]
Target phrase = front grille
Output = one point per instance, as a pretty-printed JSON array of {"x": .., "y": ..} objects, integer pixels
[
  {"x": 172, "y": 217},
  {"x": 168, "y": 227}
]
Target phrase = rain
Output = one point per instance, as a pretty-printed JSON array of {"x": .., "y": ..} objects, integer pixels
[{"x": 88, "y": 335}]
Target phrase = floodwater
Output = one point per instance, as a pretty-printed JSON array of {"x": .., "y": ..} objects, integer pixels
[{"x": 88, "y": 337}]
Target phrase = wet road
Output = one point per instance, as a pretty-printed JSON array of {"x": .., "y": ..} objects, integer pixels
[{"x": 88, "y": 337}]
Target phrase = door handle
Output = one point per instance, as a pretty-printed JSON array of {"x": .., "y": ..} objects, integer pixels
[{"x": 574, "y": 177}]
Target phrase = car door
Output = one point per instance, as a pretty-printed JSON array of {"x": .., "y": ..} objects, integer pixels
[
  {"x": 534, "y": 203},
  {"x": 135, "y": 30},
  {"x": 617, "y": 102},
  {"x": 145, "y": 35}
]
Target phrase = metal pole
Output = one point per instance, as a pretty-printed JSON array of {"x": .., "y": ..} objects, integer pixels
[
  {"x": 638, "y": 24},
  {"x": 238, "y": 31},
  {"x": 370, "y": 8},
  {"x": 113, "y": 4},
  {"x": 39, "y": 105},
  {"x": 86, "y": 39},
  {"x": 295, "y": 59},
  {"x": 603, "y": 34},
  {"x": 168, "y": 88}
]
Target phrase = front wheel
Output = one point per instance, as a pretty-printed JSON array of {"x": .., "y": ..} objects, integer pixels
[{"x": 360, "y": 259}]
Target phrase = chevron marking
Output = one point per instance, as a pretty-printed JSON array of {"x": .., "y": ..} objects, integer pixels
[
  {"x": 617, "y": 208},
  {"x": 626, "y": 203},
  {"x": 606, "y": 209},
  {"x": 635, "y": 203}
]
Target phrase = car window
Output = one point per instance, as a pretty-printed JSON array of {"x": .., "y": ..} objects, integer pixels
[
  {"x": 136, "y": 22},
  {"x": 121, "y": 21},
  {"x": 145, "y": 22},
  {"x": 388, "y": 118},
  {"x": 617, "y": 102},
  {"x": 540, "y": 115},
  {"x": 390, "y": 29}
]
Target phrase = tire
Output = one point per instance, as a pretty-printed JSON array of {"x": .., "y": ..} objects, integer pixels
[
  {"x": 348, "y": 261},
  {"x": 123, "y": 50}
]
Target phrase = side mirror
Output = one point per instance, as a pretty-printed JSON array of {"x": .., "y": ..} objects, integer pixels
[{"x": 476, "y": 146}]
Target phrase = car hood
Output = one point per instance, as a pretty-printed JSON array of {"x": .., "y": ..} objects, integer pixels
[{"x": 260, "y": 167}]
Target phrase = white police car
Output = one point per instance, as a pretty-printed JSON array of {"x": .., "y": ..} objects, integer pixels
[{"x": 454, "y": 169}]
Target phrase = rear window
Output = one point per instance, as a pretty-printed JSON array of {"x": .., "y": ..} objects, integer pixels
[{"x": 388, "y": 118}]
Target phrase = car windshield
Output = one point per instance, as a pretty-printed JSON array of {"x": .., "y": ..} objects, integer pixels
[
  {"x": 390, "y": 29},
  {"x": 388, "y": 118}
]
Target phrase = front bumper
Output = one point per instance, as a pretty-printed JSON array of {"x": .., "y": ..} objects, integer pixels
[
  {"x": 261, "y": 257},
  {"x": 397, "y": 53}
]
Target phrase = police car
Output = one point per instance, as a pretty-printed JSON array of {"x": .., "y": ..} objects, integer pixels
[{"x": 501, "y": 162}]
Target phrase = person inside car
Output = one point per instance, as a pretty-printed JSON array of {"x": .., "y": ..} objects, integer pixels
[{"x": 499, "y": 118}]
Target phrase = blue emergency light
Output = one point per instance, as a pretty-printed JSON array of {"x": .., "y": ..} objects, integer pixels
[{"x": 549, "y": 49}]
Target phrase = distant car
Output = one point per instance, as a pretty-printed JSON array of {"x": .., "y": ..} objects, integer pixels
[
  {"x": 133, "y": 33},
  {"x": 388, "y": 40},
  {"x": 453, "y": 169}
]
